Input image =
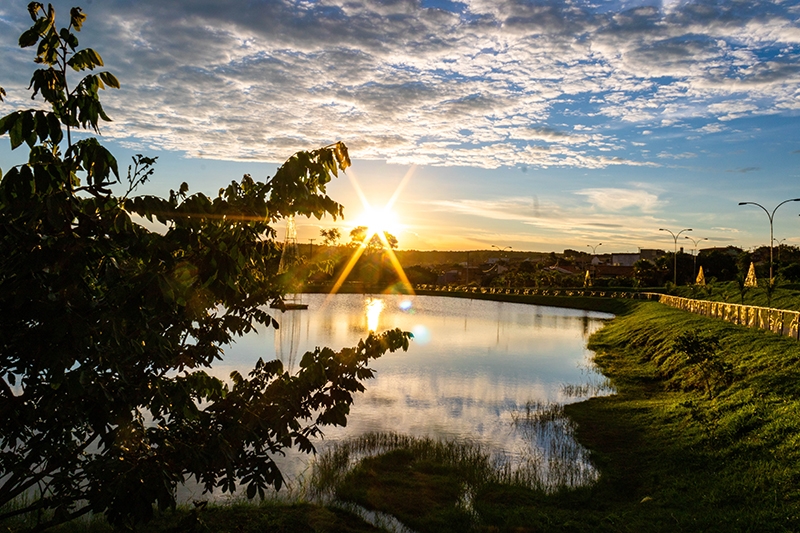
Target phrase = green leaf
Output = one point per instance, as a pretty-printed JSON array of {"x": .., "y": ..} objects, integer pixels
[
  {"x": 29, "y": 127},
  {"x": 41, "y": 125},
  {"x": 96, "y": 59},
  {"x": 110, "y": 80},
  {"x": 85, "y": 59},
  {"x": 56, "y": 134},
  {"x": 29, "y": 38},
  {"x": 16, "y": 133},
  {"x": 76, "y": 18},
  {"x": 7, "y": 122},
  {"x": 309, "y": 358},
  {"x": 122, "y": 222},
  {"x": 42, "y": 25},
  {"x": 33, "y": 10}
]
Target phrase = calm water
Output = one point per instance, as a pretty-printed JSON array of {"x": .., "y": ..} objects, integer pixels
[{"x": 471, "y": 365}]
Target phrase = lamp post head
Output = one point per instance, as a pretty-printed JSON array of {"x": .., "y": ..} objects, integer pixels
[{"x": 743, "y": 203}]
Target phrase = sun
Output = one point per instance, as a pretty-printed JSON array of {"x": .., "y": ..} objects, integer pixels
[{"x": 378, "y": 221}]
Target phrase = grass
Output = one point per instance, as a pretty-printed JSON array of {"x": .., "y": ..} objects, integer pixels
[
  {"x": 237, "y": 517},
  {"x": 423, "y": 482},
  {"x": 432, "y": 485}
]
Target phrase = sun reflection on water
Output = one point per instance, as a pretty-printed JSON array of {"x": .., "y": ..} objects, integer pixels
[{"x": 374, "y": 306}]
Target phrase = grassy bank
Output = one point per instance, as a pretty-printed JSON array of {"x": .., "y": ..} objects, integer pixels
[
  {"x": 692, "y": 444},
  {"x": 606, "y": 305},
  {"x": 702, "y": 435}
]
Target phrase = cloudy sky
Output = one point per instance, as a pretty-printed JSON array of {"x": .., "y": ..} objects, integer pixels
[{"x": 540, "y": 125}]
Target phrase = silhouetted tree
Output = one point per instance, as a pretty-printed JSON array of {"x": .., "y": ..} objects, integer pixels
[
  {"x": 721, "y": 264},
  {"x": 107, "y": 326},
  {"x": 375, "y": 243},
  {"x": 330, "y": 237}
]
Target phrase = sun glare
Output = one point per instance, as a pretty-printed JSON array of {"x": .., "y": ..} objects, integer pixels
[
  {"x": 378, "y": 221},
  {"x": 374, "y": 306}
]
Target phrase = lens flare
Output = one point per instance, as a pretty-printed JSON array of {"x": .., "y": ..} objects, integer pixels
[
  {"x": 422, "y": 335},
  {"x": 406, "y": 306},
  {"x": 387, "y": 249}
]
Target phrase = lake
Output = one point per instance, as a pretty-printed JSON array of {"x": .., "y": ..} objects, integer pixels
[{"x": 472, "y": 366}]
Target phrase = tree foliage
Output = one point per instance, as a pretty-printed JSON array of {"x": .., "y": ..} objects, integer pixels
[
  {"x": 330, "y": 237},
  {"x": 359, "y": 236},
  {"x": 107, "y": 327}
]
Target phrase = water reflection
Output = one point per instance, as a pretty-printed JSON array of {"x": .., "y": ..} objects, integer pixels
[
  {"x": 471, "y": 366},
  {"x": 373, "y": 306},
  {"x": 287, "y": 339}
]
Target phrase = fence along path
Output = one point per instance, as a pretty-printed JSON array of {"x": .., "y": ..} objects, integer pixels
[{"x": 780, "y": 321}]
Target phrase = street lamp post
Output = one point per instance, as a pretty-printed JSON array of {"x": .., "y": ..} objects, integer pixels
[
  {"x": 594, "y": 254},
  {"x": 502, "y": 250},
  {"x": 780, "y": 243},
  {"x": 694, "y": 255},
  {"x": 771, "y": 217},
  {"x": 675, "y": 253}
]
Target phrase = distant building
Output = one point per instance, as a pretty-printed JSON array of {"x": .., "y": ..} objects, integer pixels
[
  {"x": 624, "y": 259},
  {"x": 601, "y": 259}
]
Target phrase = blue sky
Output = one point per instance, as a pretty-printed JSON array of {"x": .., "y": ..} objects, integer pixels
[{"x": 532, "y": 124}]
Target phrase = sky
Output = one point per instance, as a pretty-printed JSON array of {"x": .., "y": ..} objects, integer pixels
[{"x": 535, "y": 125}]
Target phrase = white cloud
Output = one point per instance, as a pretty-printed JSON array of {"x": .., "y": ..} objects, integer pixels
[
  {"x": 397, "y": 82},
  {"x": 616, "y": 199},
  {"x": 671, "y": 155}
]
